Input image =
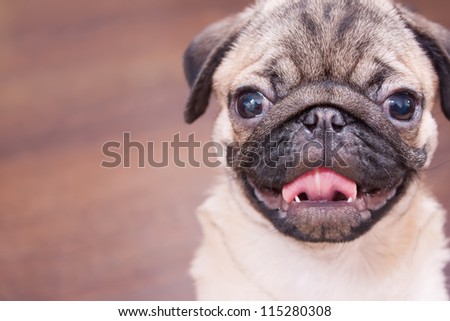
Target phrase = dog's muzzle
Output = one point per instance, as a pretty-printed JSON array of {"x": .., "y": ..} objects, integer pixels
[{"x": 311, "y": 197}]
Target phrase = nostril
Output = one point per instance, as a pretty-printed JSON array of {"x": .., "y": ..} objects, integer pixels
[
  {"x": 337, "y": 123},
  {"x": 324, "y": 118},
  {"x": 310, "y": 121},
  {"x": 337, "y": 128}
]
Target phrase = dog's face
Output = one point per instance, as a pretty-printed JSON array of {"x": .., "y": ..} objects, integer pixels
[{"x": 326, "y": 108}]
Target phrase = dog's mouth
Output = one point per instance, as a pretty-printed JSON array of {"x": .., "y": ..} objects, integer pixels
[{"x": 324, "y": 206}]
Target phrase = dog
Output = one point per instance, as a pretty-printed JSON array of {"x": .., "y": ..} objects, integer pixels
[{"x": 325, "y": 114}]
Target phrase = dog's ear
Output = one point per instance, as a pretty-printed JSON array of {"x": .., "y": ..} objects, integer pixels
[
  {"x": 435, "y": 40},
  {"x": 203, "y": 56}
]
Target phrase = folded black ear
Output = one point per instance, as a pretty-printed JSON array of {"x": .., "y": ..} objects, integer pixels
[
  {"x": 435, "y": 41},
  {"x": 201, "y": 59}
]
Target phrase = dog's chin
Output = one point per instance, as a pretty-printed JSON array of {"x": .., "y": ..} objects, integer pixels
[{"x": 340, "y": 219}]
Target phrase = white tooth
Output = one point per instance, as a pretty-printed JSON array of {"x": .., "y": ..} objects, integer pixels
[
  {"x": 297, "y": 199},
  {"x": 350, "y": 200}
]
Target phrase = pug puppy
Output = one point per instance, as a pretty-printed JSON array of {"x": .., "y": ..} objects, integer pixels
[{"x": 326, "y": 117}]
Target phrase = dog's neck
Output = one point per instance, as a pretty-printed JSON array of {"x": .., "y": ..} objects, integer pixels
[{"x": 390, "y": 251}]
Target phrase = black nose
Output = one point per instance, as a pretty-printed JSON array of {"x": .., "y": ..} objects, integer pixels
[{"x": 324, "y": 119}]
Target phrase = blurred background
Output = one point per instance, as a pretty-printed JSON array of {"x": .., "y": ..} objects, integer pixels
[{"x": 74, "y": 75}]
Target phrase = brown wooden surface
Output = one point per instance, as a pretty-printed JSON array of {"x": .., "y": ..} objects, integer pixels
[{"x": 73, "y": 75}]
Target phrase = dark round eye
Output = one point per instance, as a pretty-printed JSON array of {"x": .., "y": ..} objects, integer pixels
[
  {"x": 401, "y": 106},
  {"x": 251, "y": 104}
]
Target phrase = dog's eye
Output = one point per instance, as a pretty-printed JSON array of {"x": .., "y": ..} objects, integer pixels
[
  {"x": 251, "y": 104},
  {"x": 401, "y": 106}
]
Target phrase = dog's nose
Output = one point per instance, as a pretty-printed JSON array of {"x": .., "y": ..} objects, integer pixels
[{"x": 324, "y": 119}]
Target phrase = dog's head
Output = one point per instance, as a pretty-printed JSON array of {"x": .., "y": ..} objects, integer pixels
[{"x": 325, "y": 107}]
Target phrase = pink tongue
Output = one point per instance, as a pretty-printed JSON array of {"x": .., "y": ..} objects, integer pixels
[{"x": 320, "y": 184}]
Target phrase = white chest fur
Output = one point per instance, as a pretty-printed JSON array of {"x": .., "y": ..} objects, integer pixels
[{"x": 243, "y": 257}]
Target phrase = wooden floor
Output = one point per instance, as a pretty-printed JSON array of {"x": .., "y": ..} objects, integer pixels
[{"x": 74, "y": 75}]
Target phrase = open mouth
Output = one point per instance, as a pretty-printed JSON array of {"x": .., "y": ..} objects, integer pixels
[{"x": 323, "y": 205}]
